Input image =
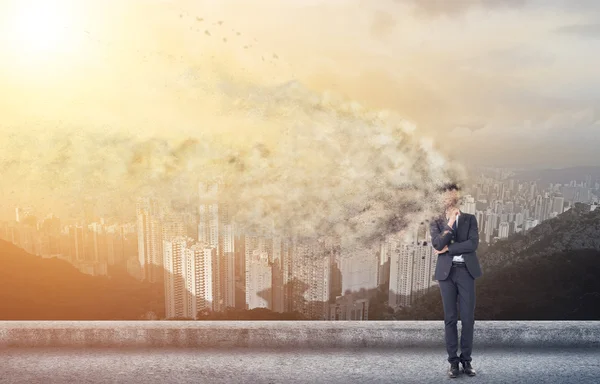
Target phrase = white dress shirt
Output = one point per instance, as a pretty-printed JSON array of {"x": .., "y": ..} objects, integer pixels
[{"x": 458, "y": 258}]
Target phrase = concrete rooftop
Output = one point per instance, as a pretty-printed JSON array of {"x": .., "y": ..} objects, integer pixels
[
  {"x": 291, "y": 352},
  {"x": 256, "y": 366}
]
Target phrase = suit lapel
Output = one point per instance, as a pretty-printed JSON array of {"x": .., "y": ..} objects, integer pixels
[{"x": 461, "y": 224}]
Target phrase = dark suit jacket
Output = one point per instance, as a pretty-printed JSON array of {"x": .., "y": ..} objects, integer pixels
[{"x": 464, "y": 242}]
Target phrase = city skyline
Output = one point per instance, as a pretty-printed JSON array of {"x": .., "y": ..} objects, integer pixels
[{"x": 205, "y": 263}]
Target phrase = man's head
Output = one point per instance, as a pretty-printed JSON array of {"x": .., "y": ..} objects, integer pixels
[{"x": 450, "y": 195}]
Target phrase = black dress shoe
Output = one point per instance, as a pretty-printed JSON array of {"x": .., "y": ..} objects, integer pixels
[
  {"x": 453, "y": 371},
  {"x": 468, "y": 369}
]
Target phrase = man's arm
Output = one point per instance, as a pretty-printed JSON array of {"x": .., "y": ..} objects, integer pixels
[
  {"x": 439, "y": 239},
  {"x": 469, "y": 245}
]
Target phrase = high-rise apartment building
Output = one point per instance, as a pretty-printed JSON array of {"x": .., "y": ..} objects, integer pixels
[
  {"x": 359, "y": 270},
  {"x": 150, "y": 240},
  {"x": 188, "y": 277},
  {"x": 558, "y": 204},
  {"x": 412, "y": 267},
  {"x": 311, "y": 279},
  {"x": 199, "y": 267},
  {"x": 259, "y": 290},
  {"x": 503, "y": 230},
  {"x": 174, "y": 279},
  {"x": 216, "y": 228}
]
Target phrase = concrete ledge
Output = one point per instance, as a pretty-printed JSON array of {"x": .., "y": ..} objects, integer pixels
[{"x": 292, "y": 334}]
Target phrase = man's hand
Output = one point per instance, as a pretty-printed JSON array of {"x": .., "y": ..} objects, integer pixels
[
  {"x": 452, "y": 215},
  {"x": 445, "y": 249}
]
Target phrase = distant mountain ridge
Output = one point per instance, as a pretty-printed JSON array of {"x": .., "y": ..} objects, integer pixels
[
  {"x": 33, "y": 288},
  {"x": 577, "y": 228}
]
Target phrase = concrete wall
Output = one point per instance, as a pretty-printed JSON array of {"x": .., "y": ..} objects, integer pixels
[{"x": 291, "y": 334}]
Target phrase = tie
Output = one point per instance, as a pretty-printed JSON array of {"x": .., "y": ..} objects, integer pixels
[{"x": 455, "y": 234}]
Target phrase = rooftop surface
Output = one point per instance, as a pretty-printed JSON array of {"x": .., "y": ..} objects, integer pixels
[
  {"x": 409, "y": 365},
  {"x": 291, "y": 352}
]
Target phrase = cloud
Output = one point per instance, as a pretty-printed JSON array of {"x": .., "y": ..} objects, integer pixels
[
  {"x": 154, "y": 102},
  {"x": 383, "y": 24},
  {"x": 562, "y": 139},
  {"x": 452, "y": 7},
  {"x": 581, "y": 30}
]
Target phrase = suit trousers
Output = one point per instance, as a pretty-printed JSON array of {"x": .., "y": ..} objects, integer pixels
[{"x": 458, "y": 288}]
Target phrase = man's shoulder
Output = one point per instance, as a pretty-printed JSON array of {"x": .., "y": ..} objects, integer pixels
[{"x": 470, "y": 216}]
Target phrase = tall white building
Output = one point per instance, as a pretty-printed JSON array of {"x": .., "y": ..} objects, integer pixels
[
  {"x": 490, "y": 226},
  {"x": 150, "y": 254},
  {"x": 188, "y": 277},
  {"x": 174, "y": 279},
  {"x": 216, "y": 228},
  {"x": 480, "y": 215},
  {"x": 503, "y": 230},
  {"x": 424, "y": 262},
  {"x": 401, "y": 275},
  {"x": 252, "y": 245},
  {"x": 519, "y": 219},
  {"x": 359, "y": 270},
  {"x": 539, "y": 208},
  {"x": 259, "y": 289},
  {"x": 558, "y": 204},
  {"x": 468, "y": 205},
  {"x": 199, "y": 269}
]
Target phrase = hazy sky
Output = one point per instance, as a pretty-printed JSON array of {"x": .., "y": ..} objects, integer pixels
[
  {"x": 508, "y": 81},
  {"x": 492, "y": 82}
]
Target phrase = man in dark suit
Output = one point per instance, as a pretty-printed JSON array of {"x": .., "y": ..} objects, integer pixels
[{"x": 455, "y": 237}]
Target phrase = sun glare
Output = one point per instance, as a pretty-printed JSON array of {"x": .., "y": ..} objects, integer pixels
[{"x": 40, "y": 28}]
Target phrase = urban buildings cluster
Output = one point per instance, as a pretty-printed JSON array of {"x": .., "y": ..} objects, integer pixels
[
  {"x": 505, "y": 205},
  {"x": 206, "y": 262}
]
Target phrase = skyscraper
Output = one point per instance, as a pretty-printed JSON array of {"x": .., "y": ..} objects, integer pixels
[
  {"x": 558, "y": 204},
  {"x": 174, "y": 279},
  {"x": 188, "y": 277},
  {"x": 216, "y": 228},
  {"x": 150, "y": 236},
  {"x": 259, "y": 291},
  {"x": 503, "y": 230},
  {"x": 311, "y": 275},
  {"x": 490, "y": 226},
  {"x": 359, "y": 270},
  {"x": 200, "y": 261},
  {"x": 424, "y": 262},
  {"x": 468, "y": 204},
  {"x": 401, "y": 275}
]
